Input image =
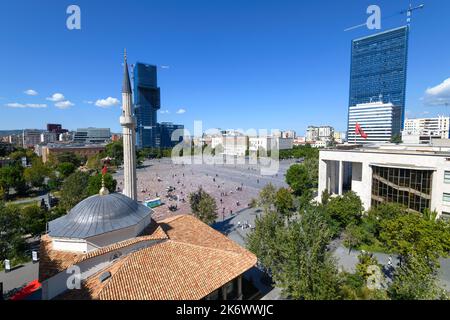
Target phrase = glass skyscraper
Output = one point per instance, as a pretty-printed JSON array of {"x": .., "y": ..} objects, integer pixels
[
  {"x": 378, "y": 72},
  {"x": 147, "y": 101}
]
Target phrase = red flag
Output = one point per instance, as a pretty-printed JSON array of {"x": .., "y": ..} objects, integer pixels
[
  {"x": 360, "y": 131},
  {"x": 104, "y": 170}
]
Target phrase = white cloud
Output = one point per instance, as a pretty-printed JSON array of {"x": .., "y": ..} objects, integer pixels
[
  {"x": 181, "y": 111},
  {"x": 64, "y": 104},
  {"x": 56, "y": 97},
  {"x": 438, "y": 95},
  {"x": 164, "y": 111},
  {"x": 108, "y": 102},
  {"x": 88, "y": 101},
  {"x": 31, "y": 92},
  {"x": 26, "y": 105}
]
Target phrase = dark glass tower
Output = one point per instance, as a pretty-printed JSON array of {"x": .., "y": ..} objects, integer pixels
[
  {"x": 378, "y": 71},
  {"x": 147, "y": 101}
]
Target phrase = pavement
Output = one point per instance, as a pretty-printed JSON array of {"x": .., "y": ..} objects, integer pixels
[
  {"x": 19, "y": 276},
  {"x": 232, "y": 185}
]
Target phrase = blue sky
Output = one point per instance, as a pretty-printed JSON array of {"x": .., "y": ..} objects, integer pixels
[{"x": 232, "y": 64}]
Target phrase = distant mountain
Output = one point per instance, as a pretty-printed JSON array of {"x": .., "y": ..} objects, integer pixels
[{"x": 9, "y": 132}]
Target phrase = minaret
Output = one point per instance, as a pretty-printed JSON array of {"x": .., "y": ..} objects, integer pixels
[{"x": 128, "y": 123}]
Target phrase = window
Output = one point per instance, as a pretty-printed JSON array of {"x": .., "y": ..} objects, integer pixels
[
  {"x": 445, "y": 216},
  {"x": 446, "y": 197},
  {"x": 447, "y": 177}
]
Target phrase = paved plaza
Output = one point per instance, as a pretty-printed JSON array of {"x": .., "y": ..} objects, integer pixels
[{"x": 232, "y": 185}]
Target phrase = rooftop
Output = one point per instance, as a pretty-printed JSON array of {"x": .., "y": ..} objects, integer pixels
[{"x": 188, "y": 260}]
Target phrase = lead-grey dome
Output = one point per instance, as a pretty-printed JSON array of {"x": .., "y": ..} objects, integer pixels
[{"x": 99, "y": 214}]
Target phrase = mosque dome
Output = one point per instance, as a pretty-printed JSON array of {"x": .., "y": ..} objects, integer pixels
[{"x": 99, "y": 214}]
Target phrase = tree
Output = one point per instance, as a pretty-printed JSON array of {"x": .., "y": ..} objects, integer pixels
[
  {"x": 396, "y": 138},
  {"x": 95, "y": 183},
  {"x": 306, "y": 269},
  {"x": 36, "y": 174},
  {"x": 11, "y": 241},
  {"x": 69, "y": 157},
  {"x": 262, "y": 241},
  {"x": 284, "y": 202},
  {"x": 114, "y": 150},
  {"x": 74, "y": 189},
  {"x": 325, "y": 197},
  {"x": 299, "y": 179},
  {"x": 413, "y": 234},
  {"x": 345, "y": 209},
  {"x": 312, "y": 167},
  {"x": 12, "y": 177},
  {"x": 203, "y": 206},
  {"x": 33, "y": 220},
  {"x": 415, "y": 280},
  {"x": 267, "y": 196},
  {"x": 94, "y": 162},
  {"x": 66, "y": 169}
]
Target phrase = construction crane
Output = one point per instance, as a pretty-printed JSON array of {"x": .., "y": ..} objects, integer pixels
[{"x": 408, "y": 12}]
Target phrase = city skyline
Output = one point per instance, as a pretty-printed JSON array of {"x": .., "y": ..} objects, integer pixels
[{"x": 201, "y": 74}]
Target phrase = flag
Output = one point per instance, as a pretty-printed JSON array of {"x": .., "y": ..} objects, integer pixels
[
  {"x": 360, "y": 131},
  {"x": 104, "y": 170}
]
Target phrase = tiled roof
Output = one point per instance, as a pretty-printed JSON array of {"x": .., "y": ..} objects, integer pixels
[
  {"x": 52, "y": 261},
  {"x": 194, "y": 261}
]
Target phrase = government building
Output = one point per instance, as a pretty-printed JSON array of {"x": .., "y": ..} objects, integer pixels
[
  {"x": 108, "y": 247},
  {"x": 416, "y": 176}
]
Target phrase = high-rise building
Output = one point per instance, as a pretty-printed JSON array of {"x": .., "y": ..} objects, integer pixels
[
  {"x": 166, "y": 129},
  {"x": 375, "y": 119},
  {"x": 147, "y": 101},
  {"x": 56, "y": 128},
  {"x": 92, "y": 135},
  {"x": 378, "y": 71}
]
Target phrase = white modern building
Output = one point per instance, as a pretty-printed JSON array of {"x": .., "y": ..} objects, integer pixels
[
  {"x": 230, "y": 144},
  {"x": 422, "y": 130},
  {"x": 417, "y": 176},
  {"x": 375, "y": 119},
  {"x": 322, "y": 133},
  {"x": 92, "y": 135},
  {"x": 270, "y": 143},
  {"x": 49, "y": 137}
]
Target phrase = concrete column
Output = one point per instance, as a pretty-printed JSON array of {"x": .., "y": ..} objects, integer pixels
[
  {"x": 239, "y": 288},
  {"x": 341, "y": 177}
]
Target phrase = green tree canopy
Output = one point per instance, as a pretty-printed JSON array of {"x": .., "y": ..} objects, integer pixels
[
  {"x": 33, "y": 220},
  {"x": 11, "y": 231},
  {"x": 203, "y": 206},
  {"x": 267, "y": 196},
  {"x": 299, "y": 179},
  {"x": 284, "y": 202},
  {"x": 114, "y": 150},
  {"x": 74, "y": 189},
  {"x": 69, "y": 157},
  {"x": 11, "y": 176},
  {"x": 36, "y": 174},
  {"x": 345, "y": 209},
  {"x": 95, "y": 183},
  {"x": 66, "y": 169},
  {"x": 415, "y": 280},
  {"x": 413, "y": 234}
]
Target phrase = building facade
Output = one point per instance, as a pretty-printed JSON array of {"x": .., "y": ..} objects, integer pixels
[
  {"x": 377, "y": 119},
  {"x": 438, "y": 127},
  {"x": 31, "y": 137},
  {"x": 417, "y": 177},
  {"x": 168, "y": 134},
  {"x": 147, "y": 101},
  {"x": 378, "y": 71},
  {"x": 52, "y": 150},
  {"x": 92, "y": 135}
]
